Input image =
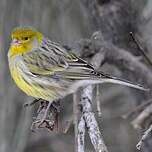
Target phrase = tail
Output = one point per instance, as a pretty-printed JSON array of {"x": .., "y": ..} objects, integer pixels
[
  {"x": 113, "y": 80},
  {"x": 95, "y": 77},
  {"x": 110, "y": 79},
  {"x": 125, "y": 83}
]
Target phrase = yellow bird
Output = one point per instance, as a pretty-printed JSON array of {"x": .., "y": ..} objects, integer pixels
[{"x": 44, "y": 69}]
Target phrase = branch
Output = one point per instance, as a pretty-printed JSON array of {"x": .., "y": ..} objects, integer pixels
[
  {"x": 144, "y": 137},
  {"x": 89, "y": 116},
  {"x": 98, "y": 100},
  {"x": 140, "y": 48},
  {"x": 81, "y": 135},
  {"x": 146, "y": 113},
  {"x": 75, "y": 116},
  {"x": 137, "y": 109},
  {"x": 91, "y": 123}
]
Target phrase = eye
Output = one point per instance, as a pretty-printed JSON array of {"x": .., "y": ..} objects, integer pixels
[{"x": 25, "y": 38}]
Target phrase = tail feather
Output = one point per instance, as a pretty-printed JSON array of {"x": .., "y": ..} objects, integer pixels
[
  {"x": 110, "y": 79},
  {"x": 94, "y": 77},
  {"x": 113, "y": 80},
  {"x": 125, "y": 83}
]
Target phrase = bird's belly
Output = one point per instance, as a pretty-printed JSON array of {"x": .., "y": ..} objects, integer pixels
[
  {"x": 34, "y": 89},
  {"x": 24, "y": 85}
]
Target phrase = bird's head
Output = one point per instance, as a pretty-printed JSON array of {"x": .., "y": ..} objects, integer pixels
[{"x": 24, "y": 39}]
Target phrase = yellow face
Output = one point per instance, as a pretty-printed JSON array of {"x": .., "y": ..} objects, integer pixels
[{"x": 24, "y": 39}]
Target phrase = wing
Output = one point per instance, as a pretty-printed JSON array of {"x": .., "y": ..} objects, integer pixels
[{"x": 52, "y": 58}]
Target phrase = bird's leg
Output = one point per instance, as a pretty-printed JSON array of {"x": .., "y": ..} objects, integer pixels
[
  {"x": 51, "y": 119},
  {"x": 40, "y": 112},
  {"x": 43, "y": 105},
  {"x": 45, "y": 117},
  {"x": 27, "y": 104},
  {"x": 56, "y": 105},
  {"x": 45, "y": 114}
]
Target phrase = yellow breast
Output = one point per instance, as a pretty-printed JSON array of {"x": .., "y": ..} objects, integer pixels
[
  {"x": 29, "y": 85},
  {"x": 20, "y": 81}
]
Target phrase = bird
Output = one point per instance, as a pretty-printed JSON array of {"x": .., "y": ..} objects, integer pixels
[{"x": 45, "y": 69}]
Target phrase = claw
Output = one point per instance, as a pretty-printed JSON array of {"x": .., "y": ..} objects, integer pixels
[{"x": 47, "y": 116}]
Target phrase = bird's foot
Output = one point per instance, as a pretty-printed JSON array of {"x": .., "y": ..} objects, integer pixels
[
  {"x": 57, "y": 106},
  {"x": 44, "y": 117},
  {"x": 42, "y": 124},
  {"x": 47, "y": 116}
]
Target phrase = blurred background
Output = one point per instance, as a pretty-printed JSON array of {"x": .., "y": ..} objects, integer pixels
[{"x": 67, "y": 22}]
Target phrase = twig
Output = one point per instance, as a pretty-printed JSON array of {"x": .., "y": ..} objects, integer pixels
[
  {"x": 81, "y": 135},
  {"x": 98, "y": 100},
  {"x": 137, "y": 109},
  {"x": 75, "y": 116},
  {"x": 67, "y": 125},
  {"x": 138, "y": 146},
  {"x": 140, "y": 48},
  {"x": 142, "y": 117}
]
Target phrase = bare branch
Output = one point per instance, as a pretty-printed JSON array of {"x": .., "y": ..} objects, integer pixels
[
  {"x": 81, "y": 135},
  {"x": 87, "y": 113},
  {"x": 91, "y": 123},
  {"x": 75, "y": 116},
  {"x": 98, "y": 100},
  {"x": 144, "y": 137},
  {"x": 146, "y": 113},
  {"x": 137, "y": 109},
  {"x": 140, "y": 48},
  {"x": 68, "y": 124}
]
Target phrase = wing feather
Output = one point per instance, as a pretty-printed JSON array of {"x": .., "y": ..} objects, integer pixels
[{"x": 52, "y": 57}]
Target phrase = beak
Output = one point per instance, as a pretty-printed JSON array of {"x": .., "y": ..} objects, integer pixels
[{"x": 15, "y": 42}]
